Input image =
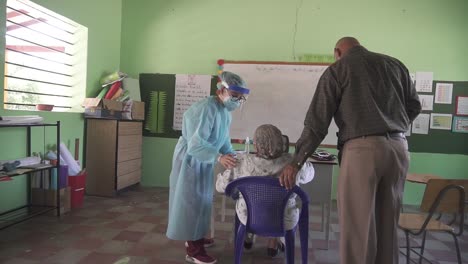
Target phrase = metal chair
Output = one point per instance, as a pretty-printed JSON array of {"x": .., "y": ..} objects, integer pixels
[
  {"x": 441, "y": 196},
  {"x": 266, "y": 200}
]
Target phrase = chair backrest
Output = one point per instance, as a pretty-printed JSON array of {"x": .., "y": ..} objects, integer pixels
[
  {"x": 450, "y": 202},
  {"x": 266, "y": 200}
]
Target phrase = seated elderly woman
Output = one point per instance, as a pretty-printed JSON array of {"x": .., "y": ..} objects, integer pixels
[{"x": 270, "y": 158}]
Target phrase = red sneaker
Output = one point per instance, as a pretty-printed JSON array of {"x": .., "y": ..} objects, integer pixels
[
  {"x": 200, "y": 259},
  {"x": 196, "y": 253},
  {"x": 207, "y": 242}
]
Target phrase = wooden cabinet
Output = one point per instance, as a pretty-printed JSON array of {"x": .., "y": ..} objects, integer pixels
[{"x": 113, "y": 155}]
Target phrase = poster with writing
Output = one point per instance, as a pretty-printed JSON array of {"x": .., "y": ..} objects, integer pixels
[
  {"x": 443, "y": 94},
  {"x": 426, "y": 102},
  {"x": 462, "y": 105},
  {"x": 441, "y": 121},
  {"x": 460, "y": 124},
  {"x": 189, "y": 89},
  {"x": 424, "y": 82},
  {"x": 421, "y": 124}
]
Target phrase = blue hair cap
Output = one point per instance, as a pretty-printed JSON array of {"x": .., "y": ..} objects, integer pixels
[{"x": 234, "y": 82}]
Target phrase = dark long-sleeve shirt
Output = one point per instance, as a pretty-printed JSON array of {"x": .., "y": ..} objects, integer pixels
[{"x": 367, "y": 93}]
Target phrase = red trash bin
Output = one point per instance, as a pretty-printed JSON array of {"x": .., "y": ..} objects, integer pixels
[{"x": 77, "y": 185}]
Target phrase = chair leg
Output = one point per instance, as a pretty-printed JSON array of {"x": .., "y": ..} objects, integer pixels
[
  {"x": 422, "y": 246},
  {"x": 236, "y": 227},
  {"x": 304, "y": 234},
  {"x": 239, "y": 244},
  {"x": 290, "y": 246},
  {"x": 457, "y": 247},
  {"x": 408, "y": 259}
]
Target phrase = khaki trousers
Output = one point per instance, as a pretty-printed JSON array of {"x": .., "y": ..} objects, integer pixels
[{"x": 370, "y": 188}]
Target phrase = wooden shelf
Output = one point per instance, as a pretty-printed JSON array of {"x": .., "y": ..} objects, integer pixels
[{"x": 22, "y": 171}]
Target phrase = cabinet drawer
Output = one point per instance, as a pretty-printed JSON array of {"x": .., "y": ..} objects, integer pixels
[
  {"x": 129, "y": 154},
  {"x": 128, "y": 179},
  {"x": 130, "y": 142},
  {"x": 130, "y": 128},
  {"x": 129, "y": 166}
]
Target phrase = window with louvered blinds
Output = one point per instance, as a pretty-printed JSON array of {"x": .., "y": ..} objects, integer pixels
[{"x": 45, "y": 59}]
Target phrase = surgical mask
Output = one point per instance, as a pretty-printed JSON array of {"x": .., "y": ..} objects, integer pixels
[{"x": 230, "y": 104}]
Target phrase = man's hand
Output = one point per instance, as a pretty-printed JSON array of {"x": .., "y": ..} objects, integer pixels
[
  {"x": 228, "y": 161},
  {"x": 288, "y": 176}
]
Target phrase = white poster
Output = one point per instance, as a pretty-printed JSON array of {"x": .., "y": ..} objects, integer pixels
[
  {"x": 443, "y": 94},
  {"x": 421, "y": 124},
  {"x": 426, "y": 102},
  {"x": 188, "y": 90},
  {"x": 441, "y": 121},
  {"x": 462, "y": 105},
  {"x": 424, "y": 82}
]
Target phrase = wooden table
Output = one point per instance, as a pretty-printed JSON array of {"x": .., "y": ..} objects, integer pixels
[{"x": 420, "y": 178}]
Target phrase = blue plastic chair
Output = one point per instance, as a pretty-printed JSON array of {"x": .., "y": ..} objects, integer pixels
[{"x": 266, "y": 200}]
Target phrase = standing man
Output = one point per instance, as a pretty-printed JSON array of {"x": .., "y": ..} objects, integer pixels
[
  {"x": 205, "y": 139},
  {"x": 371, "y": 97}
]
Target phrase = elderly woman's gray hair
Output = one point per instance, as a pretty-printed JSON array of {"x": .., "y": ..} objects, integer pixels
[{"x": 269, "y": 142}]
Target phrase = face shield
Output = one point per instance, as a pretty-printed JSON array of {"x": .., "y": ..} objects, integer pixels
[{"x": 235, "y": 94}]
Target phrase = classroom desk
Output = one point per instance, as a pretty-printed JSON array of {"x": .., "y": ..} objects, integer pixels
[
  {"x": 420, "y": 178},
  {"x": 319, "y": 191}
]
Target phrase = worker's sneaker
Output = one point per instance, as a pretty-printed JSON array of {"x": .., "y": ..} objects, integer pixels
[
  {"x": 200, "y": 259},
  {"x": 207, "y": 242},
  {"x": 196, "y": 253}
]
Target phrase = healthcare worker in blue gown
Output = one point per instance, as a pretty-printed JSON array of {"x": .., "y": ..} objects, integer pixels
[{"x": 205, "y": 140}]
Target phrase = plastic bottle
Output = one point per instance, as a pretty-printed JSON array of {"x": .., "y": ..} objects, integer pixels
[{"x": 247, "y": 145}]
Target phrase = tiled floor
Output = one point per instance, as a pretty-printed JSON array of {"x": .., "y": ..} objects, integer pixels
[{"x": 131, "y": 229}]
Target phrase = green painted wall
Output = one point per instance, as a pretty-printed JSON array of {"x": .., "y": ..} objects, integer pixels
[
  {"x": 189, "y": 36},
  {"x": 103, "y": 20}
]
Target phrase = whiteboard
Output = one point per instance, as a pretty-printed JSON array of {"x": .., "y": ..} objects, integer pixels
[{"x": 280, "y": 94}]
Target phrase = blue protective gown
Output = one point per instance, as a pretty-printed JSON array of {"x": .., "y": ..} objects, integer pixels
[{"x": 205, "y": 135}]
